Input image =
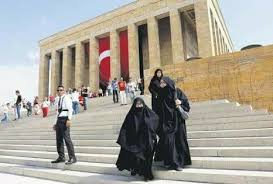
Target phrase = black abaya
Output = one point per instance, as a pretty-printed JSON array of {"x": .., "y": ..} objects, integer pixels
[
  {"x": 154, "y": 88},
  {"x": 137, "y": 139},
  {"x": 182, "y": 130},
  {"x": 173, "y": 146}
]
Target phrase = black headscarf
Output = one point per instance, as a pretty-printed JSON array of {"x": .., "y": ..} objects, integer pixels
[
  {"x": 138, "y": 132},
  {"x": 168, "y": 92},
  {"x": 155, "y": 74},
  {"x": 155, "y": 82},
  {"x": 167, "y": 96}
]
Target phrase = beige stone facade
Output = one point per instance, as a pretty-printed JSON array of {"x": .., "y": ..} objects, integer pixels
[
  {"x": 160, "y": 32},
  {"x": 245, "y": 77}
]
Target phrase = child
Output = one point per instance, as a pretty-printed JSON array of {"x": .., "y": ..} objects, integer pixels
[
  {"x": 6, "y": 113},
  {"x": 29, "y": 108}
]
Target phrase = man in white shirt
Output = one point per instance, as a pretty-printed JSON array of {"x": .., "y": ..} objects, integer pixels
[
  {"x": 62, "y": 127},
  {"x": 75, "y": 101}
]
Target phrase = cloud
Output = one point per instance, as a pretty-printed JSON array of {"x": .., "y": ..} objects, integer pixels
[
  {"x": 23, "y": 78},
  {"x": 33, "y": 56}
]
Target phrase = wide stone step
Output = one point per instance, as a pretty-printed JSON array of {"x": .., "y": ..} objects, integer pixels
[
  {"x": 114, "y": 128},
  {"x": 263, "y": 132},
  {"x": 74, "y": 126},
  {"x": 230, "y": 126},
  {"x": 236, "y": 119},
  {"x": 49, "y": 131},
  {"x": 241, "y": 141},
  {"x": 219, "y": 109},
  {"x": 227, "y": 118},
  {"x": 229, "y": 123},
  {"x": 120, "y": 117},
  {"x": 74, "y": 177},
  {"x": 204, "y": 142},
  {"x": 258, "y": 164},
  {"x": 194, "y": 175},
  {"x": 263, "y": 152},
  {"x": 191, "y": 134}
]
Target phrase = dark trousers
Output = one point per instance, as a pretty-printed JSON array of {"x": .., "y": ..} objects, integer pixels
[
  {"x": 63, "y": 134},
  {"x": 85, "y": 99},
  {"x": 115, "y": 96}
]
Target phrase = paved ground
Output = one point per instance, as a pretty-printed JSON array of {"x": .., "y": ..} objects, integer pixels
[{"x": 14, "y": 179}]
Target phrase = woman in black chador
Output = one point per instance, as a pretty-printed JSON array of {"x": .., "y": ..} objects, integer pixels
[
  {"x": 173, "y": 147},
  {"x": 137, "y": 139},
  {"x": 154, "y": 87}
]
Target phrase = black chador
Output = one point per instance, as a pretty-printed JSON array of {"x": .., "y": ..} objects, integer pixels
[
  {"x": 137, "y": 139},
  {"x": 154, "y": 88},
  {"x": 173, "y": 147}
]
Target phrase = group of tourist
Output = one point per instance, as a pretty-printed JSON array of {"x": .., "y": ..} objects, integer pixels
[
  {"x": 79, "y": 98},
  {"x": 6, "y": 108},
  {"x": 125, "y": 89},
  {"x": 147, "y": 135}
]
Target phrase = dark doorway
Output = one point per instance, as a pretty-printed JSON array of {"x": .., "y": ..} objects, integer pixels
[{"x": 143, "y": 49}]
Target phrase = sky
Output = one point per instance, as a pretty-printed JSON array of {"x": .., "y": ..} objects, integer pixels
[{"x": 24, "y": 23}]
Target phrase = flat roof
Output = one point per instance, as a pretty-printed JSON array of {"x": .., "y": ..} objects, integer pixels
[{"x": 85, "y": 23}]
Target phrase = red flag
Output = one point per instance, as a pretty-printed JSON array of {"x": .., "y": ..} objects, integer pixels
[
  {"x": 104, "y": 61},
  {"x": 124, "y": 54}
]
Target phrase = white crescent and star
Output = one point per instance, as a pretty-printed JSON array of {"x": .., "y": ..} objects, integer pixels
[{"x": 103, "y": 55}]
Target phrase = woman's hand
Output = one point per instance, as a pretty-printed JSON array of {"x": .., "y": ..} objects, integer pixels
[
  {"x": 177, "y": 102},
  {"x": 54, "y": 127}
]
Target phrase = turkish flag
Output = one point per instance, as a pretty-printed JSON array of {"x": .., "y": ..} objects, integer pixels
[
  {"x": 104, "y": 62},
  {"x": 124, "y": 54}
]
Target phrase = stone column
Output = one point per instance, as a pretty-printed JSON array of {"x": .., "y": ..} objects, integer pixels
[
  {"x": 177, "y": 37},
  {"x": 43, "y": 75},
  {"x": 220, "y": 42},
  {"x": 154, "y": 47},
  {"x": 115, "y": 55},
  {"x": 94, "y": 65},
  {"x": 58, "y": 67},
  {"x": 66, "y": 75},
  {"x": 133, "y": 51},
  {"x": 79, "y": 64},
  {"x": 54, "y": 71},
  {"x": 203, "y": 28},
  {"x": 216, "y": 37}
]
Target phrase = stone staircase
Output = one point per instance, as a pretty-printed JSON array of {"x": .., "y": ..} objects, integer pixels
[{"x": 230, "y": 143}]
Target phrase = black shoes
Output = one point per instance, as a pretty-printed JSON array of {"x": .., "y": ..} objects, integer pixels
[
  {"x": 149, "y": 178},
  {"x": 59, "y": 160},
  {"x": 71, "y": 161},
  {"x": 176, "y": 168},
  {"x": 133, "y": 172}
]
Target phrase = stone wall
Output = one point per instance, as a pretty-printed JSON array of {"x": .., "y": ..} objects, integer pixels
[{"x": 246, "y": 77}]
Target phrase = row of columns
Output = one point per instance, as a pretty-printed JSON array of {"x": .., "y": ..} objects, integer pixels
[
  {"x": 220, "y": 45},
  {"x": 204, "y": 42}
]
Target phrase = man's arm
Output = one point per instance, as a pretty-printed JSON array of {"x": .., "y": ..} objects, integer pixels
[{"x": 68, "y": 104}]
